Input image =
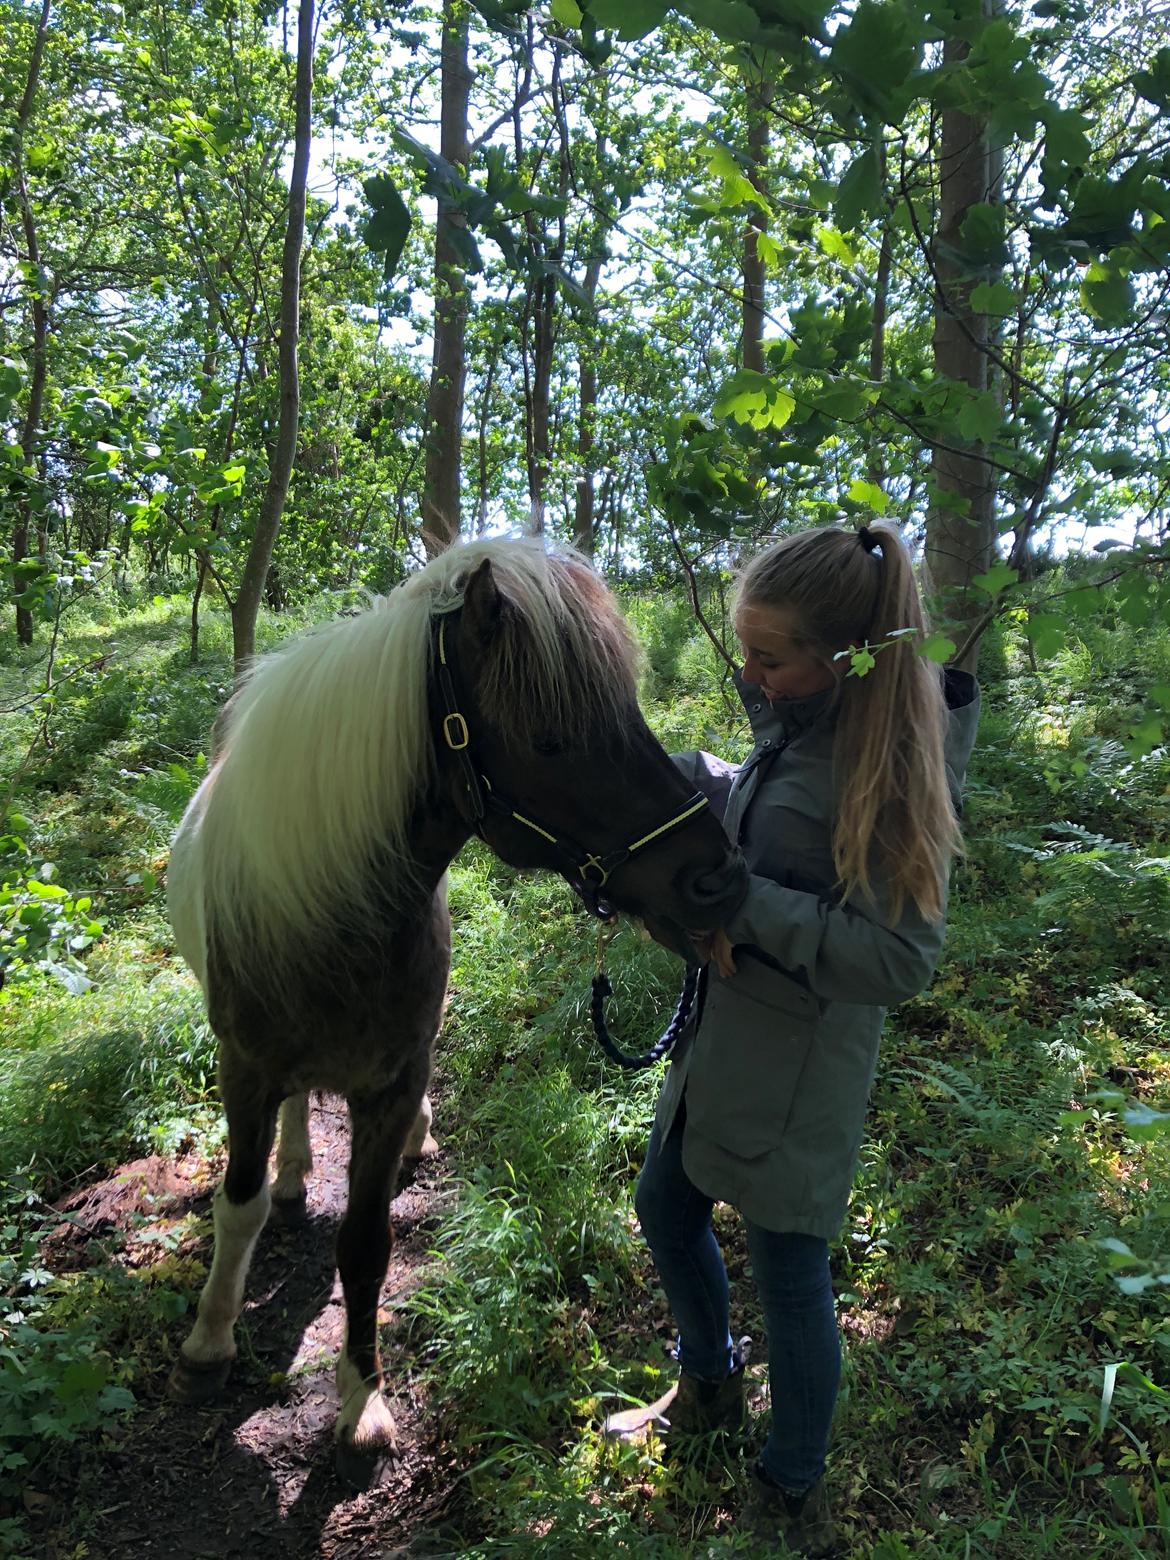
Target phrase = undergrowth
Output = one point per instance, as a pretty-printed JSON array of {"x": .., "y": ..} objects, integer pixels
[{"x": 1004, "y": 1274}]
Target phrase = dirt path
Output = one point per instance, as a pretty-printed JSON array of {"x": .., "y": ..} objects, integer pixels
[{"x": 251, "y": 1476}]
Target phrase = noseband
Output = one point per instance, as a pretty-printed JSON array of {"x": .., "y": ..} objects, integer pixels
[{"x": 587, "y": 871}]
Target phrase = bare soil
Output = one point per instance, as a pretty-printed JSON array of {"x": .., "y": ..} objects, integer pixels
[{"x": 251, "y": 1475}]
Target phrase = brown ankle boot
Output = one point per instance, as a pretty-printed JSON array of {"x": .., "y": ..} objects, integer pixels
[
  {"x": 802, "y": 1523},
  {"x": 691, "y": 1407}
]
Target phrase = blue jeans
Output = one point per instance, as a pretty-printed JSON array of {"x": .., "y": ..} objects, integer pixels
[{"x": 792, "y": 1277}]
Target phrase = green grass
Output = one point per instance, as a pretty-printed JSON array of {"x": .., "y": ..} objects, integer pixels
[{"x": 980, "y": 1416}]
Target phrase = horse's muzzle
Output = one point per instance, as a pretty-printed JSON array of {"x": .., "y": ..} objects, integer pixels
[{"x": 712, "y": 898}]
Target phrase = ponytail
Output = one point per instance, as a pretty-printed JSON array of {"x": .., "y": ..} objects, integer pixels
[{"x": 894, "y": 813}]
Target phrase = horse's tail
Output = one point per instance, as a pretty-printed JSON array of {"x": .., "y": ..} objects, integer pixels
[{"x": 185, "y": 900}]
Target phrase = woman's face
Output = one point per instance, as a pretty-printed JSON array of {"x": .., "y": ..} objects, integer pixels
[{"x": 773, "y": 659}]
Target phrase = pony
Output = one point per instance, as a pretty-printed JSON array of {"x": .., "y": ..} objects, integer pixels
[{"x": 492, "y": 692}]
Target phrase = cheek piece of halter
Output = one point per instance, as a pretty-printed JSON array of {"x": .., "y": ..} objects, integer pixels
[{"x": 587, "y": 871}]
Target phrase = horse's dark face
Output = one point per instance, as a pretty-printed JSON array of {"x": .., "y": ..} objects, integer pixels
[{"x": 601, "y": 786}]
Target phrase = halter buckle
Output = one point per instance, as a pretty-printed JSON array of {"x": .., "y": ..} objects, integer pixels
[
  {"x": 594, "y": 862},
  {"x": 460, "y": 730}
]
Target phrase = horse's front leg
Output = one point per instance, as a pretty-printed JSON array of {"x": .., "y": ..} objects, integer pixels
[
  {"x": 380, "y": 1124},
  {"x": 240, "y": 1210}
]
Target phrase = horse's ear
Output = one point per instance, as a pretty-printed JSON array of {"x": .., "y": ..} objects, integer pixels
[{"x": 483, "y": 606}]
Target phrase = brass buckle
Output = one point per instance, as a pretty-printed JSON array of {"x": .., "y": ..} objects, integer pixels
[
  {"x": 460, "y": 729},
  {"x": 603, "y": 878}
]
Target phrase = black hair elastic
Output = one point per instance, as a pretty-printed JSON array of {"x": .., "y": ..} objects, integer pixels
[{"x": 869, "y": 539}]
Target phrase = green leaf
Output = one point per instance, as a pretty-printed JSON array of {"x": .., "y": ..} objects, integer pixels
[
  {"x": 993, "y": 298},
  {"x": 835, "y": 245},
  {"x": 982, "y": 230},
  {"x": 980, "y": 417},
  {"x": 387, "y": 227},
  {"x": 859, "y": 193},
  {"x": 753, "y": 398},
  {"x": 82, "y": 1378},
  {"x": 1141, "y": 1121},
  {"x": 1106, "y": 294},
  {"x": 566, "y": 12},
  {"x": 1143, "y": 738},
  {"x": 870, "y": 494},
  {"x": 1048, "y": 633},
  {"x": 937, "y": 647},
  {"x": 728, "y": 19},
  {"x": 1154, "y": 83},
  {"x": 876, "y": 53},
  {"x": 629, "y": 19},
  {"x": 997, "y": 578},
  {"x": 769, "y": 250}
]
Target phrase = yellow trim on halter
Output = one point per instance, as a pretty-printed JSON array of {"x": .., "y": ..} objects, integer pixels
[
  {"x": 671, "y": 824},
  {"x": 535, "y": 827}
]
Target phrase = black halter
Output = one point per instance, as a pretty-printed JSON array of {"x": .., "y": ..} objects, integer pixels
[{"x": 587, "y": 871}]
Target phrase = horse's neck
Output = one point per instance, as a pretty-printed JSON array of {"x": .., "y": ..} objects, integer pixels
[{"x": 437, "y": 834}]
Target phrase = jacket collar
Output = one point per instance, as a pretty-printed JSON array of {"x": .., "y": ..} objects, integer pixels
[{"x": 785, "y": 717}]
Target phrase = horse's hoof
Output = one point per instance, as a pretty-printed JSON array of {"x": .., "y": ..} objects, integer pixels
[
  {"x": 427, "y": 1149},
  {"x": 191, "y": 1383},
  {"x": 292, "y": 1212},
  {"x": 363, "y": 1468}
]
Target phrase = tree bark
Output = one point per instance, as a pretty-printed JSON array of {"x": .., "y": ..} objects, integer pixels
[
  {"x": 584, "y": 507},
  {"x": 960, "y": 528},
  {"x": 751, "y": 341},
  {"x": 247, "y": 602},
  {"x": 444, "y": 423},
  {"x": 30, "y": 431}
]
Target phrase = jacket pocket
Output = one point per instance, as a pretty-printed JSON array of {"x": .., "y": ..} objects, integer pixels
[{"x": 755, "y": 1035}]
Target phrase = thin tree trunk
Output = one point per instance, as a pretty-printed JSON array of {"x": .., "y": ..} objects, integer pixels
[
  {"x": 247, "y": 602},
  {"x": 583, "y": 518},
  {"x": 875, "y": 457},
  {"x": 30, "y": 432},
  {"x": 444, "y": 424},
  {"x": 544, "y": 324},
  {"x": 960, "y": 530},
  {"x": 751, "y": 345}
]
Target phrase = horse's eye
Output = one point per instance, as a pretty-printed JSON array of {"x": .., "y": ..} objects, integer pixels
[{"x": 547, "y": 747}]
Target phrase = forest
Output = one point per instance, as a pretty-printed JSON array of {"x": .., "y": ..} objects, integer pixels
[{"x": 294, "y": 298}]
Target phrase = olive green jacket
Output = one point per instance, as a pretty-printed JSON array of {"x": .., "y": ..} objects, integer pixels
[{"x": 777, "y": 1070}]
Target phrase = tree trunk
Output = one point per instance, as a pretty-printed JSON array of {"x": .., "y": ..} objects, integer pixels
[
  {"x": 444, "y": 424},
  {"x": 544, "y": 321},
  {"x": 247, "y": 602},
  {"x": 544, "y": 303},
  {"x": 30, "y": 432},
  {"x": 875, "y": 454},
  {"x": 583, "y": 518},
  {"x": 960, "y": 527},
  {"x": 751, "y": 341}
]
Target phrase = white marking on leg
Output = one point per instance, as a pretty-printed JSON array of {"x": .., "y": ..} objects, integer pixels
[
  {"x": 236, "y": 1227},
  {"x": 294, "y": 1152},
  {"x": 364, "y": 1422},
  {"x": 420, "y": 1142}
]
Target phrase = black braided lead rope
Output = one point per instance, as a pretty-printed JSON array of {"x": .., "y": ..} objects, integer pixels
[{"x": 669, "y": 1039}]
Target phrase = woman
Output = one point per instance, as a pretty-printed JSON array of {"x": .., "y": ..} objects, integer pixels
[{"x": 847, "y": 814}]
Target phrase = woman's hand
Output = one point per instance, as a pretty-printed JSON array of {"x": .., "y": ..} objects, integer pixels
[{"x": 714, "y": 948}]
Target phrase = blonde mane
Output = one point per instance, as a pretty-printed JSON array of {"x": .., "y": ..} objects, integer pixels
[{"x": 302, "y": 820}]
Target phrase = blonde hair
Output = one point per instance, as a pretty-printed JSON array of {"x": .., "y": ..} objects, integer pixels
[{"x": 894, "y": 812}]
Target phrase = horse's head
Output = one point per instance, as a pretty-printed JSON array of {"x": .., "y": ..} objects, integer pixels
[{"x": 560, "y": 771}]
